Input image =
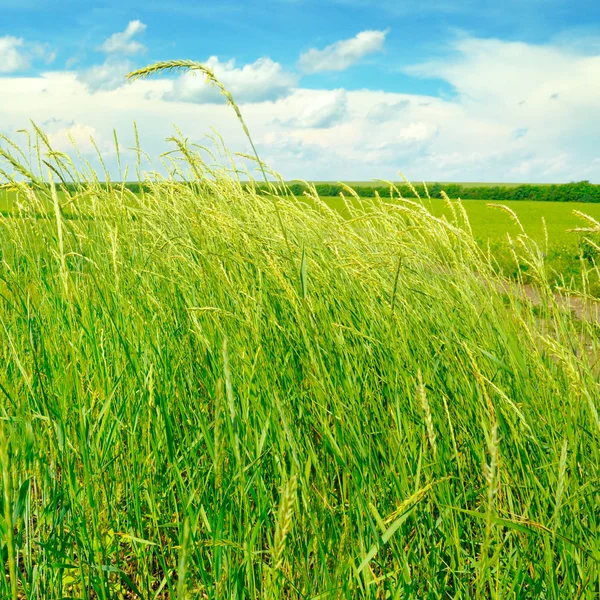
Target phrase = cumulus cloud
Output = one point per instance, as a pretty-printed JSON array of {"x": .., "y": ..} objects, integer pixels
[
  {"x": 385, "y": 145},
  {"x": 485, "y": 71},
  {"x": 260, "y": 81},
  {"x": 279, "y": 146},
  {"x": 388, "y": 112},
  {"x": 11, "y": 57},
  {"x": 343, "y": 54},
  {"x": 123, "y": 42},
  {"x": 502, "y": 124},
  {"x": 107, "y": 76},
  {"x": 110, "y": 75},
  {"x": 79, "y": 133},
  {"x": 322, "y": 110},
  {"x": 545, "y": 97},
  {"x": 417, "y": 132},
  {"x": 15, "y": 55},
  {"x": 542, "y": 166}
]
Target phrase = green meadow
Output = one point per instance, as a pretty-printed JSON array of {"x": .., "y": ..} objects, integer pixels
[
  {"x": 489, "y": 223},
  {"x": 208, "y": 392},
  {"x": 547, "y": 224}
]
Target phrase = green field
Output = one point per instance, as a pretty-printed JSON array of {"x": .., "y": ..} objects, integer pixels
[
  {"x": 491, "y": 226},
  {"x": 547, "y": 224},
  {"x": 358, "y": 184},
  {"x": 210, "y": 393}
]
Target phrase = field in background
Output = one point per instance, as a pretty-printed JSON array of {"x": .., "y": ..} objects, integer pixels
[
  {"x": 493, "y": 224},
  {"x": 206, "y": 394},
  {"x": 562, "y": 249},
  {"x": 490, "y": 226},
  {"x": 461, "y": 183}
]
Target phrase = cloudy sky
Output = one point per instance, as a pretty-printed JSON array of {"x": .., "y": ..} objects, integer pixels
[{"x": 442, "y": 90}]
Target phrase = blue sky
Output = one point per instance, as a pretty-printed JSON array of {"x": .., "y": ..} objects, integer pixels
[{"x": 331, "y": 89}]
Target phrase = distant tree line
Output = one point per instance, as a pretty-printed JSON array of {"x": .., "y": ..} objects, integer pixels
[{"x": 580, "y": 191}]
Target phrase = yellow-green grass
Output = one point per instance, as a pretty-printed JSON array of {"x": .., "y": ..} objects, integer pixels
[
  {"x": 547, "y": 223},
  {"x": 13, "y": 203},
  {"x": 225, "y": 395},
  {"x": 208, "y": 393},
  {"x": 492, "y": 226},
  {"x": 487, "y": 223}
]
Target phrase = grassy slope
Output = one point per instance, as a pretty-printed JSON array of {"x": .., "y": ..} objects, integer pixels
[{"x": 194, "y": 401}]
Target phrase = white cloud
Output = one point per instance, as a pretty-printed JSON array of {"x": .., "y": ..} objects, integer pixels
[
  {"x": 262, "y": 80},
  {"x": 11, "y": 57},
  {"x": 545, "y": 96},
  {"x": 15, "y": 55},
  {"x": 388, "y": 112},
  {"x": 546, "y": 166},
  {"x": 492, "y": 70},
  {"x": 107, "y": 76},
  {"x": 110, "y": 75},
  {"x": 481, "y": 134},
  {"x": 399, "y": 151},
  {"x": 343, "y": 54},
  {"x": 122, "y": 42},
  {"x": 80, "y": 134},
  {"x": 417, "y": 132},
  {"x": 321, "y": 110},
  {"x": 280, "y": 148}
]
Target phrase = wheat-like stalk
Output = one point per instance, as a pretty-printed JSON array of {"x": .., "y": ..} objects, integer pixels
[
  {"x": 560, "y": 488},
  {"x": 7, "y": 489},
  {"x": 410, "y": 185},
  {"x": 192, "y": 65},
  {"x": 490, "y": 470},
  {"x": 465, "y": 216},
  {"x": 595, "y": 225},
  {"x": 284, "y": 519},
  {"x": 427, "y": 412},
  {"x": 490, "y": 474},
  {"x": 510, "y": 211},
  {"x": 426, "y": 191},
  {"x": 450, "y": 205},
  {"x": 59, "y": 229}
]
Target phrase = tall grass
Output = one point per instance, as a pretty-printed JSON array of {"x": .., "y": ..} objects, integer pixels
[{"x": 210, "y": 393}]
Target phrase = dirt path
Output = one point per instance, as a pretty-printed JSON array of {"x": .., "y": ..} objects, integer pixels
[{"x": 584, "y": 310}]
